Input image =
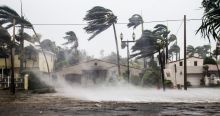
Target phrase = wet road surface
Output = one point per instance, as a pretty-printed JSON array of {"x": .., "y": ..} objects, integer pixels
[{"x": 52, "y": 105}]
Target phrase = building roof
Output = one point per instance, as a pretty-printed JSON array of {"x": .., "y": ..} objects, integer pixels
[
  {"x": 212, "y": 67},
  {"x": 186, "y": 58},
  {"x": 101, "y": 61}
]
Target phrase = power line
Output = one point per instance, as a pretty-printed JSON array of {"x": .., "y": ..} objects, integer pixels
[
  {"x": 179, "y": 28},
  {"x": 122, "y": 23}
]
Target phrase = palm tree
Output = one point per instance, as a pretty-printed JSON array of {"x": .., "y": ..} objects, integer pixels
[
  {"x": 190, "y": 50},
  {"x": 30, "y": 53},
  {"x": 202, "y": 51},
  {"x": 175, "y": 49},
  {"x": 10, "y": 18},
  {"x": 152, "y": 42},
  {"x": 162, "y": 30},
  {"x": 99, "y": 19},
  {"x": 7, "y": 15},
  {"x": 72, "y": 39},
  {"x": 148, "y": 45},
  {"x": 211, "y": 19},
  {"x": 5, "y": 43},
  {"x": 135, "y": 21}
]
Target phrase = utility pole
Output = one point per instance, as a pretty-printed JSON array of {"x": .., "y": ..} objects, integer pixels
[
  {"x": 185, "y": 64},
  {"x": 21, "y": 42},
  {"x": 128, "y": 54}
]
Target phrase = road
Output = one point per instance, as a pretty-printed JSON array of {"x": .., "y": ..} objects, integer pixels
[{"x": 53, "y": 105}]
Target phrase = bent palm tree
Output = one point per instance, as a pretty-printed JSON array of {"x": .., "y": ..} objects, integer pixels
[
  {"x": 211, "y": 19},
  {"x": 5, "y": 43},
  {"x": 190, "y": 50},
  {"x": 99, "y": 19},
  {"x": 7, "y": 15},
  {"x": 148, "y": 45},
  {"x": 135, "y": 21},
  {"x": 175, "y": 49},
  {"x": 10, "y": 18},
  {"x": 71, "y": 38},
  {"x": 163, "y": 31}
]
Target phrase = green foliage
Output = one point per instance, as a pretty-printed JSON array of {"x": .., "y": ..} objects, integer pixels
[
  {"x": 135, "y": 21},
  {"x": 7, "y": 15},
  {"x": 48, "y": 45},
  {"x": 99, "y": 19},
  {"x": 168, "y": 83},
  {"x": 210, "y": 20},
  {"x": 151, "y": 76},
  {"x": 5, "y": 38},
  {"x": 136, "y": 80},
  {"x": 71, "y": 38},
  {"x": 202, "y": 51},
  {"x": 209, "y": 60},
  {"x": 34, "y": 82}
]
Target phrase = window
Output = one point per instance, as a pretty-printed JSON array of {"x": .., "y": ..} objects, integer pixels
[
  {"x": 168, "y": 74},
  {"x": 181, "y": 63},
  {"x": 195, "y": 63}
]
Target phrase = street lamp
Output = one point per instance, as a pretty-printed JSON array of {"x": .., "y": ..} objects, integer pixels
[{"x": 126, "y": 44}]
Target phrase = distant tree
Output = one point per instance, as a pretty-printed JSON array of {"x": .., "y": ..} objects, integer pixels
[
  {"x": 30, "y": 53},
  {"x": 71, "y": 39},
  {"x": 99, "y": 19},
  {"x": 7, "y": 16},
  {"x": 190, "y": 50},
  {"x": 163, "y": 31},
  {"x": 151, "y": 43},
  {"x": 174, "y": 49},
  {"x": 151, "y": 76},
  {"x": 209, "y": 60},
  {"x": 202, "y": 51},
  {"x": 135, "y": 21},
  {"x": 48, "y": 45}
]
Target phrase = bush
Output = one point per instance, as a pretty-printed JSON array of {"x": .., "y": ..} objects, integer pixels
[
  {"x": 188, "y": 84},
  {"x": 209, "y": 60},
  {"x": 168, "y": 83},
  {"x": 34, "y": 82}
]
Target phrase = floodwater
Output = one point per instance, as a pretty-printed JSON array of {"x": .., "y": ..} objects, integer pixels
[{"x": 129, "y": 93}]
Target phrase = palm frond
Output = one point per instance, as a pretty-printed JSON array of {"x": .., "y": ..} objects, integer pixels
[
  {"x": 98, "y": 19},
  {"x": 135, "y": 21}
]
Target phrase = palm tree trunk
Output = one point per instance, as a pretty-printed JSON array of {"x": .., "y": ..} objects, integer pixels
[
  {"x": 217, "y": 62},
  {"x": 118, "y": 58},
  {"x": 161, "y": 69},
  {"x": 166, "y": 56},
  {"x": 22, "y": 49},
  {"x": 48, "y": 69},
  {"x": 12, "y": 61},
  {"x": 176, "y": 56}
]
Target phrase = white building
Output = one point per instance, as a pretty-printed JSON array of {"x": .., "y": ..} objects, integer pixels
[{"x": 175, "y": 71}]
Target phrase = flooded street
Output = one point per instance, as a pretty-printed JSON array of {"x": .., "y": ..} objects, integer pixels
[{"x": 56, "y": 104}]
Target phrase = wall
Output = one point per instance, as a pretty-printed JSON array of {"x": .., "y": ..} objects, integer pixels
[
  {"x": 194, "y": 73},
  {"x": 42, "y": 62}
]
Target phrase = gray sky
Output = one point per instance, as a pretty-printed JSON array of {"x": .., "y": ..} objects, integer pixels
[{"x": 73, "y": 11}]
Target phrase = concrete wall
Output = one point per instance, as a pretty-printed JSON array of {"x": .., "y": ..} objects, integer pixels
[{"x": 42, "y": 62}]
